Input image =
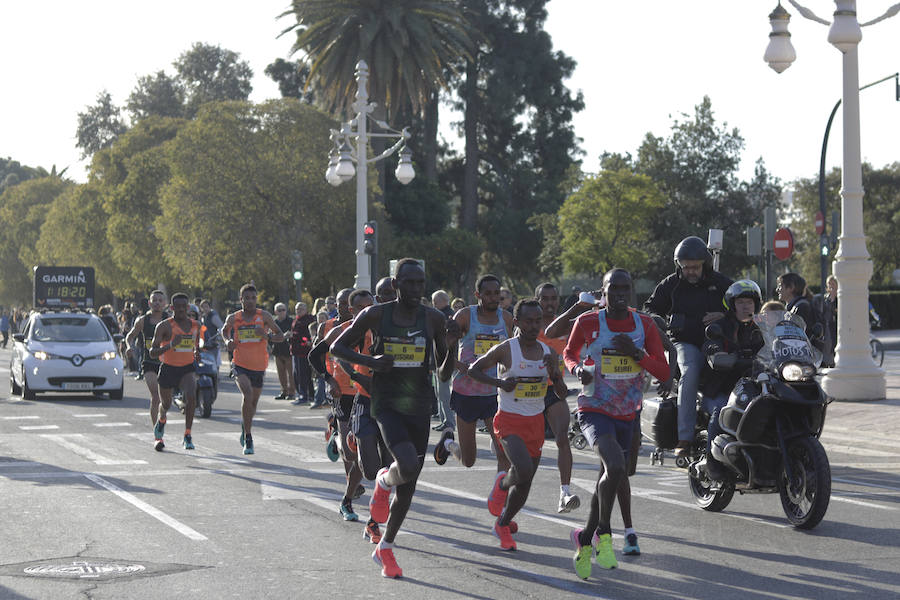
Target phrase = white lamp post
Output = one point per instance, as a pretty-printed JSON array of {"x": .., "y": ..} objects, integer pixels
[
  {"x": 855, "y": 376},
  {"x": 344, "y": 156}
]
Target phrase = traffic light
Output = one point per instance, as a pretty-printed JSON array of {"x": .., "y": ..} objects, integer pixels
[
  {"x": 297, "y": 264},
  {"x": 369, "y": 245}
]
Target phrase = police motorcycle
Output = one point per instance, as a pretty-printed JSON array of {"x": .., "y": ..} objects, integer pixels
[
  {"x": 207, "y": 377},
  {"x": 770, "y": 427}
]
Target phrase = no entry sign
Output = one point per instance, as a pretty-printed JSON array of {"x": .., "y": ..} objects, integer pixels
[{"x": 783, "y": 244}]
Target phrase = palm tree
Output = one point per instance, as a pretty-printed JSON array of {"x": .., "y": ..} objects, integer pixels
[{"x": 409, "y": 46}]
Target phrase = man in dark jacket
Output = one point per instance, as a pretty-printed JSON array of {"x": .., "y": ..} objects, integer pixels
[
  {"x": 690, "y": 299},
  {"x": 301, "y": 343}
]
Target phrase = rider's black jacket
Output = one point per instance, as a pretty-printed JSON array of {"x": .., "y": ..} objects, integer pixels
[
  {"x": 686, "y": 303},
  {"x": 743, "y": 339}
]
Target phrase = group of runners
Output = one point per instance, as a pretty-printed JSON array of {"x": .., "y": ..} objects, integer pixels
[{"x": 378, "y": 355}]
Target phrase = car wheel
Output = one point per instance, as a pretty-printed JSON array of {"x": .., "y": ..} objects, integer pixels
[
  {"x": 14, "y": 388},
  {"x": 117, "y": 394},
  {"x": 27, "y": 392}
]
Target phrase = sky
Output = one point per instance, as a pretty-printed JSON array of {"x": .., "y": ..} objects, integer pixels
[{"x": 641, "y": 64}]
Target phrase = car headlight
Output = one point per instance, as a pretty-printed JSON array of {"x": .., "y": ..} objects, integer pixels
[
  {"x": 41, "y": 355},
  {"x": 796, "y": 372},
  {"x": 108, "y": 355}
]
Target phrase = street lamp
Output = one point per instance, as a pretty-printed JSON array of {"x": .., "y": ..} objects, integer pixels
[
  {"x": 344, "y": 156},
  {"x": 855, "y": 376}
]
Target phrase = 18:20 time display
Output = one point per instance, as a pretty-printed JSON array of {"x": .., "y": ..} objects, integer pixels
[{"x": 66, "y": 291}]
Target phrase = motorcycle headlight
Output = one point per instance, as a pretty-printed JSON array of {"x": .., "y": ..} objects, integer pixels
[
  {"x": 108, "y": 355},
  {"x": 796, "y": 372}
]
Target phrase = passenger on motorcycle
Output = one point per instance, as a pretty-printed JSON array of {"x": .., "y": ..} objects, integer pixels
[
  {"x": 739, "y": 336},
  {"x": 689, "y": 299}
]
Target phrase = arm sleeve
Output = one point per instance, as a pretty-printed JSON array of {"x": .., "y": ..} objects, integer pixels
[
  {"x": 572, "y": 353},
  {"x": 655, "y": 362}
]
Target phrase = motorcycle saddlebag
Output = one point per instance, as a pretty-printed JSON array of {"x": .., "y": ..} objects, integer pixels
[{"x": 665, "y": 423}]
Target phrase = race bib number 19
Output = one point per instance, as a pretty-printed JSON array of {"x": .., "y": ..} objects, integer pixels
[{"x": 618, "y": 366}]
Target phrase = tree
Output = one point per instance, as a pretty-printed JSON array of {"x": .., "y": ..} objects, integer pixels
[
  {"x": 291, "y": 78},
  {"x": 156, "y": 94},
  {"x": 12, "y": 172},
  {"x": 99, "y": 126},
  {"x": 23, "y": 209},
  {"x": 606, "y": 223},
  {"x": 211, "y": 73},
  {"x": 246, "y": 188}
]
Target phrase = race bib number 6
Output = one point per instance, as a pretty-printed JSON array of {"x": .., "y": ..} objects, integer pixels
[{"x": 407, "y": 352}]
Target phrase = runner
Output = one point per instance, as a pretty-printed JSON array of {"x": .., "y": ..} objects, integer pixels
[
  {"x": 524, "y": 363},
  {"x": 556, "y": 408},
  {"x": 177, "y": 341},
  {"x": 339, "y": 381},
  {"x": 384, "y": 291},
  {"x": 143, "y": 329},
  {"x": 623, "y": 344},
  {"x": 406, "y": 335},
  {"x": 246, "y": 333},
  {"x": 482, "y": 327}
]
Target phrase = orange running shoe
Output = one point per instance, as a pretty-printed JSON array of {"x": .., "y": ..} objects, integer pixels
[
  {"x": 384, "y": 558},
  {"x": 497, "y": 498},
  {"x": 372, "y": 532},
  {"x": 503, "y": 534},
  {"x": 379, "y": 503}
]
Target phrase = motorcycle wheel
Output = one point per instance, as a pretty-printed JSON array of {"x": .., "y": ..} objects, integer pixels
[
  {"x": 805, "y": 498},
  {"x": 206, "y": 402},
  {"x": 705, "y": 497},
  {"x": 579, "y": 442}
]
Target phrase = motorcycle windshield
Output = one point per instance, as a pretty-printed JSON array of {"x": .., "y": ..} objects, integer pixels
[{"x": 784, "y": 334}]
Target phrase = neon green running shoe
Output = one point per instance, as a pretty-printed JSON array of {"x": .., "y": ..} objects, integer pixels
[
  {"x": 582, "y": 558},
  {"x": 606, "y": 558}
]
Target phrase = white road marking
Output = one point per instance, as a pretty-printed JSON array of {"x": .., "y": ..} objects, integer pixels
[
  {"x": 17, "y": 463},
  {"x": 23, "y": 418},
  {"x": 861, "y": 503},
  {"x": 273, "y": 490},
  {"x": 75, "y": 442},
  {"x": 150, "y": 510},
  {"x": 88, "y": 415},
  {"x": 36, "y": 427},
  {"x": 264, "y": 444},
  {"x": 122, "y": 424},
  {"x": 273, "y": 410}
]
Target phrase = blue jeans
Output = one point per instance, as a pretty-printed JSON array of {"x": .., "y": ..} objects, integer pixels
[
  {"x": 691, "y": 362},
  {"x": 448, "y": 418},
  {"x": 302, "y": 377},
  {"x": 320, "y": 391}
]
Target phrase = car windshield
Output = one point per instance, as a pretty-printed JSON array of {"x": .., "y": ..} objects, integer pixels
[{"x": 69, "y": 329}]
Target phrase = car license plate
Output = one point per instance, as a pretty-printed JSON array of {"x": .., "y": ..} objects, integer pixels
[{"x": 78, "y": 386}]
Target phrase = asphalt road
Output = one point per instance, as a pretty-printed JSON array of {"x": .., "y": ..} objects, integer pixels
[{"x": 90, "y": 510}]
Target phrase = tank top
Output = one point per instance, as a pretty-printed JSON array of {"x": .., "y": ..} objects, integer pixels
[
  {"x": 528, "y": 397},
  {"x": 347, "y": 385},
  {"x": 362, "y": 370},
  {"x": 559, "y": 346},
  {"x": 618, "y": 385},
  {"x": 147, "y": 336},
  {"x": 406, "y": 388},
  {"x": 182, "y": 354},
  {"x": 478, "y": 340},
  {"x": 250, "y": 350}
]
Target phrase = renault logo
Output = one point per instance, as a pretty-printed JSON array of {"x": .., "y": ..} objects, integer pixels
[{"x": 77, "y": 360}]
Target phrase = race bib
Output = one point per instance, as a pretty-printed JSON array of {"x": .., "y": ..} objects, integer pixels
[
  {"x": 185, "y": 345},
  {"x": 407, "y": 352},
  {"x": 484, "y": 342},
  {"x": 618, "y": 366},
  {"x": 530, "y": 388},
  {"x": 247, "y": 333}
]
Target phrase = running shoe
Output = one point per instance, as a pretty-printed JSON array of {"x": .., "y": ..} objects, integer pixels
[
  {"x": 280, "y": 396},
  {"x": 158, "y": 445},
  {"x": 187, "y": 442},
  {"x": 347, "y": 512},
  {"x": 351, "y": 442},
  {"x": 605, "y": 556},
  {"x": 497, "y": 498},
  {"x": 631, "y": 547},
  {"x": 159, "y": 430},
  {"x": 360, "y": 490},
  {"x": 440, "y": 450},
  {"x": 248, "y": 445},
  {"x": 297, "y": 401},
  {"x": 372, "y": 532},
  {"x": 503, "y": 534},
  {"x": 582, "y": 558},
  {"x": 242, "y": 434},
  {"x": 331, "y": 449},
  {"x": 384, "y": 558},
  {"x": 513, "y": 527},
  {"x": 379, "y": 503},
  {"x": 331, "y": 428},
  {"x": 568, "y": 502}
]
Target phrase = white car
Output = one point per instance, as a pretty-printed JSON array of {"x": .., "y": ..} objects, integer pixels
[{"x": 65, "y": 352}]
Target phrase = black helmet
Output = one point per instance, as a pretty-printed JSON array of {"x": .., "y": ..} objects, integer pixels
[
  {"x": 693, "y": 248},
  {"x": 743, "y": 288}
]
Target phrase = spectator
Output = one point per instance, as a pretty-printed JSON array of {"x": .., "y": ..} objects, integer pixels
[
  {"x": 301, "y": 342},
  {"x": 106, "y": 315},
  {"x": 4, "y": 327},
  {"x": 319, "y": 399},
  {"x": 506, "y": 299},
  {"x": 282, "y": 353},
  {"x": 446, "y": 417},
  {"x": 457, "y": 304},
  {"x": 331, "y": 307}
]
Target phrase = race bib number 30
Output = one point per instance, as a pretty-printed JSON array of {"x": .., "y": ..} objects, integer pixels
[
  {"x": 407, "y": 352},
  {"x": 484, "y": 342},
  {"x": 618, "y": 366},
  {"x": 530, "y": 388},
  {"x": 247, "y": 333}
]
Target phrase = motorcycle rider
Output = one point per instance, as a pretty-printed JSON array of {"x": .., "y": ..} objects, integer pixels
[
  {"x": 691, "y": 299},
  {"x": 739, "y": 336}
]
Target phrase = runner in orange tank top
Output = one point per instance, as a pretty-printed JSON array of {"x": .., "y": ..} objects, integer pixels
[
  {"x": 176, "y": 344},
  {"x": 247, "y": 332}
]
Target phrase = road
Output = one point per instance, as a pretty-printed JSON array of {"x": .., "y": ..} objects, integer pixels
[{"x": 91, "y": 511}]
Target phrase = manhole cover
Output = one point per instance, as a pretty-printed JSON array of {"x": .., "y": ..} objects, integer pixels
[
  {"x": 76, "y": 568},
  {"x": 84, "y": 569}
]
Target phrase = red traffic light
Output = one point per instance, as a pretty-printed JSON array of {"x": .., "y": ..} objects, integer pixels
[{"x": 369, "y": 230}]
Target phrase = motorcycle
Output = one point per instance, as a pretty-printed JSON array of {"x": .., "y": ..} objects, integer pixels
[
  {"x": 207, "y": 382},
  {"x": 771, "y": 427}
]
